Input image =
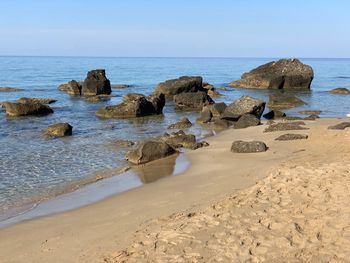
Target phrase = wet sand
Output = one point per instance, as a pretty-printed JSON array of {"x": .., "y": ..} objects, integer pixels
[{"x": 287, "y": 204}]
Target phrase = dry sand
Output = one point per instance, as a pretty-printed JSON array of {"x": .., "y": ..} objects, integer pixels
[{"x": 290, "y": 204}]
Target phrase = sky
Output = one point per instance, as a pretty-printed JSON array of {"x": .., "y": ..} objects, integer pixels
[{"x": 175, "y": 28}]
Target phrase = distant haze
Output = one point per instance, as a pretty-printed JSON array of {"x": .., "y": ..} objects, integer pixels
[{"x": 179, "y": 28}]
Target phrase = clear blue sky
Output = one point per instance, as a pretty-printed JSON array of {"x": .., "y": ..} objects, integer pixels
[{"x": 190, "y": 28}]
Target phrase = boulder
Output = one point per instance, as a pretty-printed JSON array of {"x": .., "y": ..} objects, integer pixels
[
  {"x": 291, "y": 137},
  {"x": 26, "y": 109},
  {"x": 149, "y": 151},
  {"x": 36, "y": 100},
  {"x": 134, "y": 106},
  {"x": 9, "y": 89},
  {"x": 180, "y": 139},
  {"x": 340, "y": 126},
  {"x": 182, "y": 124},
  {"x": 340, "y": 91},
  {"x": 248, "y": 147},
  {"x": 244, "y": 105},
  {"x": 192, "y": 100},
  {"x": 58, "y": 130},
  {"x": 274, "y": 114},
  {"x": 281, "y": 74},
  {"x": 72, "y": 88},
  {"x": 246, "y": 120},
  {"x": 285, "y": 126},
  {"x": 183, "y": 84},
  {"x": 282, "y": 101},
  {"x": 96, "y": 83}
]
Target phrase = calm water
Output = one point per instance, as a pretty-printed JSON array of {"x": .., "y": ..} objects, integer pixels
[{"x": 32, "y": 167}]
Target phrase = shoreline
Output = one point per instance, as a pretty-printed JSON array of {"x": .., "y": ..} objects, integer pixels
[{"x": 89, "y": 233}]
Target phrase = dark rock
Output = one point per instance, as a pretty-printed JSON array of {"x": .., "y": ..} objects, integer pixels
[
  {"x": 291, "y": 137},
  {"x": 183, "y": 84},
  {"x": 134, "y": 106},
  {"x": 9, "y": 89},
  {"x": 72, "y": 88},
  {"x": 182, "y": 124},
  {"x": 58, "y": 130},
  {"x": 282, "y": 101},
  {"x": 192, "y": 100},
  {"x": 36, "y": 100},
  {"x": 247, "y": 120},
  {"x": 340, "y": 126},
  {"x": 248, "y": 147},
  {"x": 340, "y": 91},
  {"x": 25, "y": 109},
  {"x": 149, "y": 151},
  {"x": 96, "y": 83},
  {"x": 274, "y": 114},
  {"x": 281, "y": 74},
  {"x": 244, "y": 105},
  {"x": 285, "y": 126},
  {"x": 310, "y": 112}
]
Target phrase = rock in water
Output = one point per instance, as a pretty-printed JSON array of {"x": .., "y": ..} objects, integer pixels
[
  {"x": 291, "y": 137},
  {"x": 192, "y": 100},
  {"x": 72, "y": 88},
  {"x": 58, "y": 130},
  {"x": 281, "y": 74},
  {"x": 182, "y": 124},
  {"x": 247, "y": 120},
  {"x": 149, "y": 151},
  {"x": 134, "y": 105},
  {"x": 36, "y": 100},
  {"x": 183, "y": 84},
  {"x": 9, "y": 89},
  {"x": 340, "y": 126},
  {"x": 285, "y": 126},
  {"x": 244, "y": 105},
  {"x": 25, "y": 109},
  {"x": 96, "y": 83},
  {"x": 248, "y": 147},
  {"x": 340, "y": 91},
  {"x": 282, "y": 101}
]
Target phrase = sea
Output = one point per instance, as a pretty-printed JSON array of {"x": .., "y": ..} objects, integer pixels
[{"x": 34, "y": 168}]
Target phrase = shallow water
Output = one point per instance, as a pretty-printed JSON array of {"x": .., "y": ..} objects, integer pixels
[{"x": 33, "y": 168}]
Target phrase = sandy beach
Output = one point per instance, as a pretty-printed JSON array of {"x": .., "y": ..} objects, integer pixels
[{"x": 289, "y": 204}]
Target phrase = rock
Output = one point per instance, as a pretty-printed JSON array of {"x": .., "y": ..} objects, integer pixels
[
  {"x": 281, "y": 74},
  {"x": 120, "y": 86},
  {"x": 58, "y": 130},
  {"x": 149, "y": 151},
  {"x": 244, "y": 105},
  {"x": 72, "y": 88},
  {"x": 285, "y": 126},
  {"x": 205, "y": 116},
  {"x": 274, "y": 114},
  {"x": 293, "y": 118},
  {"x": 246, "y": 120},
  {"x": 96, "y": 83},
  {"x": 9, "y": 89},
  {"x": 36, "y": 100},
  {"x": 291, "y": 137},
  {"x": 310, "y": 112},
  {"x": 223, "y": 124},
  {"x": 208, "y": 86},
  {"x": 282, "y": 101},
  {"x": 340, "y": 91},
  {"x": 248, "y": 147},
  {"x": 183, "y": 84},
  {"x": 216, "y": 109},
  {"x": 180, "y": 139},
  {"x": 340, "y": 126},
  {"x": 192, "y": 100},
  {"x": 311, "y": 117},
  {"x": 132, "y": 96},
  {"x": 124, "y": 143},
  {"x": 98, "y": 98},
  {"x": 213, "y": 93},
  {"x": 25, "y": 109},
  {"x": 134, "y": 106},
  {"x": 182, "y": 124}
]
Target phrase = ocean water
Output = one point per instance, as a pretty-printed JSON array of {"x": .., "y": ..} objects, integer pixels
[{"x": 33, "y": 168}]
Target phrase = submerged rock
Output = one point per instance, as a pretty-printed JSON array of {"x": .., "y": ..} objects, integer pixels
[
  {"x": 9, "y": 89},
  {"x": 340, "y": 91},
  {"x": 246, "y": 120},
  {"x": 340, "y": 126},
  {"x": 124, "y": 143},
  {"x": 36, "y": 100},
  {"x": 26, "y": 109},
  {"x": 182, "y": 124},
  {"x": 183, "y": 84},
  {"x": 244, "y": 105},
  {"x": 285, "y": 126},
  {"x": 58, "y": 130},
  {"x": 281, "y": 74},
  {"x": 291, "y": 137},
  {"x": 248, "y": 147},
  {"x": 282, "y": 101},
  {"x": 192, "y": 100}
]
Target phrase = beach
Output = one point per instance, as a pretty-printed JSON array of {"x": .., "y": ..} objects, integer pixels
[{"x": 288, "y": 204}]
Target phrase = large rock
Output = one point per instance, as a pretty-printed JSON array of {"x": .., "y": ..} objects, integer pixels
[
  {"x": 96, "y": 83},
  {"x": 36, "y": 100},
  {"x": 58, "y": 130},
  {"x": 281, "y": 74},
  {"x": 192, "y": 100},
  {"x": 182, "y": 124},
  {"x": 248, "y": 147},
  {"x": 340, "y": 91},
  {"x": 282, "y": 101},
  {"x": 25, "y": 109},
  {"x": 244, "y": 105},
  {"x": 72, "y": 88},
  {"x": 134, "y": 106},
  {"x": 149, "y": 151},
  {"x": 183, "y": 84},
  {"x": 247, "y": 120}
]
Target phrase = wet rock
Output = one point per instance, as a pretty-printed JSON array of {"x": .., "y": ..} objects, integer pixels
[
  {"x": 281, "y": 74},
  {"x": 340, "y": 91},
  {"x": 58, "y": 130},
  {"x": 134, "y": 106},
  {"x": 248, "y": 147},
  {"x": 282, "y": 101},
  {"x": 72, "y": 88},
  {"x": 246, "y": 120},
  {"x": 291, "y": 137},
  {"x": 182, "y": 124},
  {"x": 274, "y": 114},
  {"x": 183, "y": 84},
  {"x": 192, "y": 100},
  {"x": 310, "y": 112},
  {"x": 285, "y": 126},
  {"x": 36, "y": 100},
  {"x": 26, "y": 109},
  {"x": 149, "y": 151},
  {"x": 96, "y": 83},
  {"x": 9, "y": 89},
  {"x": 340, "y": 126},
  {"x": 120, "y": 86},
  {"x": 244, "y": 105}
]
